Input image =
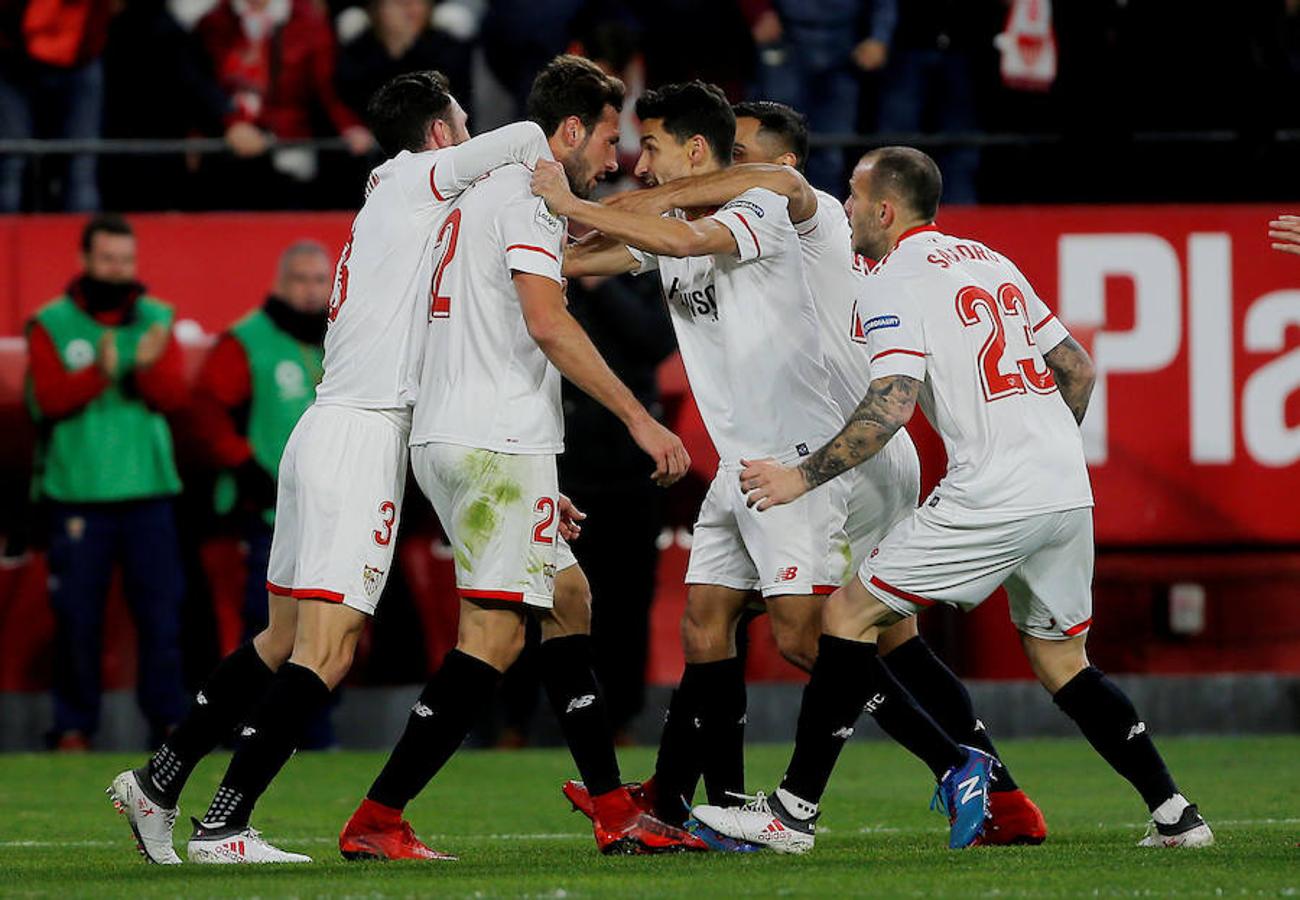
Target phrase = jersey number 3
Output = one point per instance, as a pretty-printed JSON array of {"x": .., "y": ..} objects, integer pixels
[
  {"x": 440, "y": 305},
  {"x": 977, "y": 306}
]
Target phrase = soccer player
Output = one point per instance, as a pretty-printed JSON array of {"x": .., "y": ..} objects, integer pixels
[
  {"x": 748, "y": 329},
  {"x": 1006, "y": 386},
  {"x": 487, "y": 429},
  {"x": 770, "y": 149},
  {"x": 340, "y": 483}
]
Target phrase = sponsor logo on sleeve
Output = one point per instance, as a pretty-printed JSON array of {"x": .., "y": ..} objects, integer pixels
[
  {"x": 544, "y": 218},
  {"x": 749, "y": 205}
]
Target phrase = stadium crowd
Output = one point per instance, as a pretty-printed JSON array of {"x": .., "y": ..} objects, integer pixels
[{"x": 259, "y": 72}]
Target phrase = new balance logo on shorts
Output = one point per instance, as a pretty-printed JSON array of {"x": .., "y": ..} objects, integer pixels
[
  {"x": 1139, "y": 728},
  {"x": 421, "y": 710},
  {"x": 843, "y": 733},
  {"x": 248, "y": 731},
  {"x": 789, "y": 573},
  {"x": 580, "y": 703}
]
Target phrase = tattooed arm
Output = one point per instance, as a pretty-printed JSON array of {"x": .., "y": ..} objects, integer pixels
[
  {"x": 889, "y": 403},
  {"x": 1074, "y": 375}
]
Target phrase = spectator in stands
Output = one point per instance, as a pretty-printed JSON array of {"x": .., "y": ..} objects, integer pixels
[
  {"x": 929, "y": 81},
  {"x": 255, "y": 384},
  {"x": 274, "y": 59},
  {"x": 400, "y": 39},
  {"x": 104, "y": 371},
  {"x": 51, "y": 86},
  {"x": 811, "y": 56},
  {"x": 604, "y": 474}
]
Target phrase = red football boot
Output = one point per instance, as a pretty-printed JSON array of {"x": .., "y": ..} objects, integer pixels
[
  {"x": 379, "y": 832},
  {"x": 642, "y": 792},
  {"x": 621, "y": 826},
  {"x": 1013, "y": 819}
]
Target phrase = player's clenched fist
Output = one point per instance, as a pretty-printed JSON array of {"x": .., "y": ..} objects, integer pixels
[
  {"x": 552, "y": 184},
  {"x": 665, "y": 448},
  {"x": 1285, "y": 234},
  {"x": 768, "y": 483}
]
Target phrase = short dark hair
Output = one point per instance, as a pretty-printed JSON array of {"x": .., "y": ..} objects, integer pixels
[
  {"x": 402, "y": 111},
  {"x": 786, "y": 124},
  {"x": 572, "y": 86},
  {"x": 104, "y": 223},
  {"x": 693, "y": 108},
  {"x": 910, "y": 175}
]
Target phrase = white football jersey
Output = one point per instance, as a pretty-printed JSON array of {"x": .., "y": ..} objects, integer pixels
[
  {"x": 381, "y": 283},
  {"x": 963, "y": 320},
  {"x": 484, "y": 381},
  {"x": 827, "y": 244},
  {"x": 749, "y": 336}
]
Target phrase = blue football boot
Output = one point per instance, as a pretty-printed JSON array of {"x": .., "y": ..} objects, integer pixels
[{"x": 963, "y": 794}]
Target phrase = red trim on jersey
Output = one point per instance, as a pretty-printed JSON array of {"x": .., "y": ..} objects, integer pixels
[
  {"x": 316, "y": 594},
  {"x": 900, "y": 593},
  {"x": 437, "y": 195},
  {"x": 821, "y": 590},
  {"x": 920, "y": 229},
  {"x": 531, "y": 247},
  {"x": 808, "y": 232},
  {"x": 899, "y": 350},
  {"x": 278, "y": 590},
  {"x": 1078, "y": 629},
  {"x": 757, "y": 245},
  {"x": 510, "y": 596},
  {"x": 1042, "y": 323}
]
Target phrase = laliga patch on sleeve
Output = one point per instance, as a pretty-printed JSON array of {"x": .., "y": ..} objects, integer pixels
[
  {"x": 749, "y": 205},
  {"x": 545, "y": 219},
  {"x": 879, "y": 322}
]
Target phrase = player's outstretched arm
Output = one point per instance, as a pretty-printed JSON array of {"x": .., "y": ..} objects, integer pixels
[
  {"x": 569, "y": 348},
  {"x": 456, "y": 168},
  {"x": 888, "y": 406},
  {"x": 650, "y": 233},
  {"x": 598, "y": 254},
  {"x": 716, "y": 188},
  {"x": 1074, "y": 373},
  {"x": 1285, "y": 234}
]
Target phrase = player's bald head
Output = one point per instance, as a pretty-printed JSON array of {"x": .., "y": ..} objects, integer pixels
[{"x": 908, "y": 177}]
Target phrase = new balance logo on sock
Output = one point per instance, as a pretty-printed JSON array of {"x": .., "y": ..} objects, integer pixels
[
  {"x": 248, "y": 731},
  {"x": 1139, "y": 728},
  {"x": 580, "y": 703},
  {"x": 421, "y": 710},
  {"x": 969, "y": 789},
  {"x": 874, "y": 704},
  {"x": 843, "y": 733},
  {"x": 201, "y": 699}
]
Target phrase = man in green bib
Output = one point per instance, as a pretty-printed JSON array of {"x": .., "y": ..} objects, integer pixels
[{"x": 104, "y": 370}]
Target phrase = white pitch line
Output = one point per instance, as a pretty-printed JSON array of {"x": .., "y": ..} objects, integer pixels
[{"x": 549, "y": 836}]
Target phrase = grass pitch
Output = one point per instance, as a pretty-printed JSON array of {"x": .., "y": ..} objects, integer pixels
[{"x": 503, "y": 814}]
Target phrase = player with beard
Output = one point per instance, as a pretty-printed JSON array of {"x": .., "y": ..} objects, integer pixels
[
  {"x": 1006, "y": 386},
  {"x": 770, "y": 150},
  {"x": 486, "y": 432},
  {"x": 340, "y": 485}
]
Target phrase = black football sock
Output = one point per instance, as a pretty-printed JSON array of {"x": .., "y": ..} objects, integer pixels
[
  {"x": 1108, "y": 720},
  {"x": 580, "y": 709},
  {"x": 721, "y": 746},
  {"x": 231, "y": 691},
  {"x": 841, "y": 682},
  {"x": 899, "y": 715},
  {"x": 437, "y": 726},
  {"x": 677, "y": 767},
  {"x": 296, "y": 695},
  {"x": 941, "y": 694}
]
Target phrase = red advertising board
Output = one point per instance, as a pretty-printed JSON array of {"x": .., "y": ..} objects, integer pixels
[{"x": 1194, "y": 431}]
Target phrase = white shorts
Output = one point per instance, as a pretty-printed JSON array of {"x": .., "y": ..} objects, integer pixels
[
  {"x": 796, "y": 549},
  {"x": 1045, "y": 560},
  {"x": 500, "y": 512},
  {"x": 337, "y": 505},
  {"x": 883, "y": 491}
]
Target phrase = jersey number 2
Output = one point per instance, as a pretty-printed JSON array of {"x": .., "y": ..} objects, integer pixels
[
  {"x": 545, "y": 506},
  {"x": 975, "y": 306},
  {"x": 440, "y": 305}
]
